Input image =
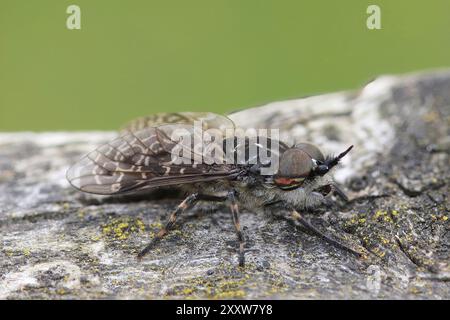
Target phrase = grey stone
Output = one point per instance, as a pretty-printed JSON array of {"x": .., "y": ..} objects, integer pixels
[{"x": 56, "y": 242}]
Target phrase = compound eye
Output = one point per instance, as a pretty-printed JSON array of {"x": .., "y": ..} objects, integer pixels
[
  {"x": 295, "y": 163},
  {"x": 289, "y": 183},
  {"x": 312, "y": 150}
]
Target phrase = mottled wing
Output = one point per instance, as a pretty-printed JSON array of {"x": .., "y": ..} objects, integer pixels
[
  {"x": 209, "y": 128},
  {"x": 139, "y": 160},
  {"x": 208, "y": 120}
]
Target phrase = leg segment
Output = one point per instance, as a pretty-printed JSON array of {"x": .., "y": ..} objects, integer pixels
[
  {"x": 297, "y": 217},
  {"x": 189, "y": 201},
  {"x": 339, "y": 192},
  {"x": 235, "y": 213},
  {"x": 207, "y": 197}
]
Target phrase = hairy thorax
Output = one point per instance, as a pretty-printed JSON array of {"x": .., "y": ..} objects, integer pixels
[{"x": 254, "y": 196}]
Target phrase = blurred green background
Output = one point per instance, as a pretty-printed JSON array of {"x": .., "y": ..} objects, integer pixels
[{"x": 133, "y": 57}]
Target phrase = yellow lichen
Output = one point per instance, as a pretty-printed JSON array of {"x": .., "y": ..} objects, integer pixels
[
  {"x": 121, "y": 228},
  {"x": 366, "y": 239},
  {"x": 414, "y": 290},
  {"x": 61, "y": 291},
  {"x": 229, "y": 294},
  {"x": 81, "y": 214},
  {"x": 228, "y": 283},
  {"x": 156, "y": 225},
  {"x": 378, "y": 252},
  {"x": 431, "y": 116},
  {"x": 187, "y": 291},
  {"x": 380, "y": 213},
  {"x": 140, "y": 224}
]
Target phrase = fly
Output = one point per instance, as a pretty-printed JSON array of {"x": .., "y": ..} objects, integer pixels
[{"x": 142, "y": 158}]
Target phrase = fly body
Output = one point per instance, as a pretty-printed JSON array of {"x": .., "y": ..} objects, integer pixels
[{"x": 150, "y": 153}]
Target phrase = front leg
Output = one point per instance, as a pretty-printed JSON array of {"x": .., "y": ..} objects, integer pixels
[
  {"x": 297, "y": 219},
  {"x": 339, "y": 192}
]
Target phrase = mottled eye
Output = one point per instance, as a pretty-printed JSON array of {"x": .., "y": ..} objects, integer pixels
[
  {"x": 295, "y": 163},
  {"x": 312, "y": 150}
]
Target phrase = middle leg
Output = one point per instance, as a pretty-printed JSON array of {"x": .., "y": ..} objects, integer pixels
[{"x": 237, "y": 225}]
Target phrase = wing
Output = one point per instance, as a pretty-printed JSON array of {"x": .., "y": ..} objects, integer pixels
[
  {"x": 206, "y": 127},
  {"x": 141, "y": 159},
  {"x": 208, "y": 119}
]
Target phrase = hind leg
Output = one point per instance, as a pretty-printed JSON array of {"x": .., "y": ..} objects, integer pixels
[{"x": 188, "y": 202}]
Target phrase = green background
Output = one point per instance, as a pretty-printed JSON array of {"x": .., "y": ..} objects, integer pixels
[{"x": 134, "y": 57}]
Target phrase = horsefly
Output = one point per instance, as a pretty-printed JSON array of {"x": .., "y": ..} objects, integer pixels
[{"x": 207, "y": 158}]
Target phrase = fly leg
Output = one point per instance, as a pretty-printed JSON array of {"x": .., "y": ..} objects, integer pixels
[
  {"x": 339, "y": 192},
  {"x": 298, "y": 218},
  {"x": 237, "y": 225},
  {"x": 189, "y": 201},
  {"x": 231, "y": 199},
  {"x": 207, "y": 197}
]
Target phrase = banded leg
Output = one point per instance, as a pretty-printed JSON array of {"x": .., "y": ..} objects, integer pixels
[
  {"x": 297, "y": 217},
  {"x": 189, "y": 201},
  {"x": 235, "y": 213}
]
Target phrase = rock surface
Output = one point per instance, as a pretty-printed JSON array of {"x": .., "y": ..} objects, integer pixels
[{"x": 56, "y": 242}]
